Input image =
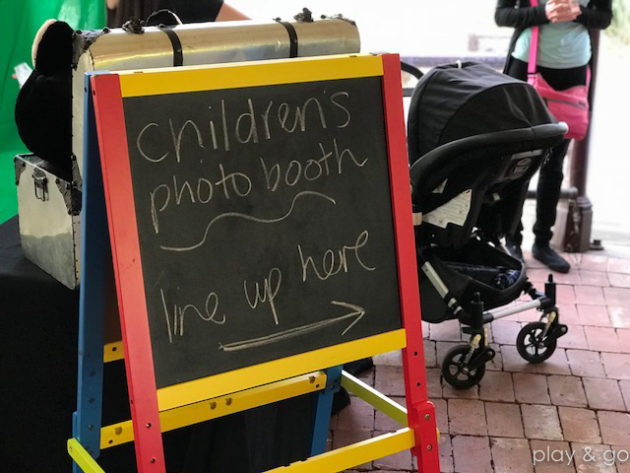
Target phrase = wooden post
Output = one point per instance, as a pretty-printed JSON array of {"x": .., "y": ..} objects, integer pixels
[{"x": 579, "y": 221}]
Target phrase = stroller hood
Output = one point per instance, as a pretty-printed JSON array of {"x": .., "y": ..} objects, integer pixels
[{"x": 456, "y": 101}]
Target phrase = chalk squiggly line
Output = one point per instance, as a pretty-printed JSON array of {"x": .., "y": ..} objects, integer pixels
[{"x": 248, "y": 217}]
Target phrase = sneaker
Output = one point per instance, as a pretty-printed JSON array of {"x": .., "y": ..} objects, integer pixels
[
  {"x": 513, "y": 249},
  {"x": 550, "y": 258}
]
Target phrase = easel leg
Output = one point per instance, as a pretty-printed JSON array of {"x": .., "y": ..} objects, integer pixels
[
  {"x": 426, "y": 449},
  {"x": 94, "y": 251},
  {"x": 323, "y": 410}
]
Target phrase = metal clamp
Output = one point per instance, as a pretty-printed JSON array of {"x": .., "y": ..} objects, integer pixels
[{"x": 40, "y": 182}]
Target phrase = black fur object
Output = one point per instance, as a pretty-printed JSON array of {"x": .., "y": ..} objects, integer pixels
[{"x": 43, "y": 110}]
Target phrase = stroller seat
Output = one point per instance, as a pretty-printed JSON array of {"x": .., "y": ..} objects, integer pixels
[{"x": 475, "y": 139}]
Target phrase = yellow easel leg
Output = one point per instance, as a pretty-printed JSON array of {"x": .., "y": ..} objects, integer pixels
[
  {"x": 353, "y": 455},
  {"x": 82, "y": 457}
]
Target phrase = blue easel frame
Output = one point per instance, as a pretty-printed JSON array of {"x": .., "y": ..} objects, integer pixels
[{"x": 94, "y": 250}]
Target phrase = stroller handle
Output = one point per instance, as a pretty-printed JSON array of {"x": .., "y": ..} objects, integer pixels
[{"x": 428, "y": 163}]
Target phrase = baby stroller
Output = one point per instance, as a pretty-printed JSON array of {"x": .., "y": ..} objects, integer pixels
[{"x": 475, "y": 138}]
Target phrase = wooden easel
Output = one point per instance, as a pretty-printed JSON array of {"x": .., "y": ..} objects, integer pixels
[{"x": 156, "y": 411}]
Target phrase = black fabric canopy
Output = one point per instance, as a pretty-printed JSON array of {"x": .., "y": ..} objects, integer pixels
[{"x": 456, "y": 101}]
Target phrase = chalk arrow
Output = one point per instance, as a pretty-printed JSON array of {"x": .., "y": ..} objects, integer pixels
[{"x": 357, "y": 314}]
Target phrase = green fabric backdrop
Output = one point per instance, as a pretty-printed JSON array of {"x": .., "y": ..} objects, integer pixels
[{"x": 22, "y": 19}]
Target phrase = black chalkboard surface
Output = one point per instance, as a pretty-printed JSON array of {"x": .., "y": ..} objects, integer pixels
[{"x": 264, "y": 221}]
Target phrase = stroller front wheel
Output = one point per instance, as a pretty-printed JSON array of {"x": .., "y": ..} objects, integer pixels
[
  {"x": 457, "y": 371},
  {"x": 534, "y": 343}
]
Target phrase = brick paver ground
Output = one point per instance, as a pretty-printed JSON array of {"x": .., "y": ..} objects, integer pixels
[{"x": 570, "y": 414}]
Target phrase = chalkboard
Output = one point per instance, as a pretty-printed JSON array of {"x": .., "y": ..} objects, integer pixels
[{"x": 264, "y": 221}]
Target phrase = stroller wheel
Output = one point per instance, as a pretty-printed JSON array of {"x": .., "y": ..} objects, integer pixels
[
  {"x": 456, "y": 370},
  {"x": 533, "y": 344}
]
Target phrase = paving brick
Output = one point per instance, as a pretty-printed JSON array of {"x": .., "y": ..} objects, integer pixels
[
  {"x": 541, "y": 422},
  {"x": 568, "y": 313},
  {"x": 466, "y": 417},
  {"x": 625, "y": 392},
  {"x": 589, "y": 458},
  {"x": 537, "y": 275},
  {"x": 618, "y": 265},
  {"x": 615, "y": 427},
  {"x": 566, "y": 391},
  {"x": 497, "y": 362},
  {"x": 593, "y": 278},
  {"x": 594, "y": 262},
  {"x": 617, "y": 296},
  {"x": 504, "y": 420},
  {"x": 471, "y": 454},
  {"x": 397, "y": 461},
  {"x": 496, "y": 386},
  {"x": 572, "y": 277},
  {"x": 603, "y": 393},
  {"x": 359, "y": 415},
  {"x": 593, "y": 315},
  {"x": 390, "y": 380},
  {"x": 574, "y": 338},
  {"x": 591, "y": 295},
  {"x": 391, "y": 358},
  {"x": 619, "y": 316},
  {"x": 531, "y": 388},
  {"x": 367, "y": 376},
  {"x": 616, "y": 365},
  {"x": 552, "y": 457},
  {"x": 619, "y": 280},
  {"x": 449, "y": 391},
  {"x": 425, "y": 329},
  {"x": 342, "y": 438},
  {"x": 385, "y": 423},
  {"x": 624, "y": 340},
  {"x": 446, "y": 454},
  {"x": 504, "y": 332},
  {"x": 441, "y": 414},
  {"x": 623, "y": 465},
  {"x": 511, "y": 455},
  {"x": 586, "y": 363},
  {"x": 579, "y": 425},
  {"x": 512, "y": 361},
  {"x": 555, "y": 364},
  {"x": 434, "y": 386},
  {"x": 430, "y": 359},
  {"x": 565, "y": 294},
  {"x": 447, "y": 331},
  {"x": 602, "y": 339}
]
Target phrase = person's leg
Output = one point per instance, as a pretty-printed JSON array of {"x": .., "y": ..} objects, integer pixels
[{"x": 547, "y": 197}]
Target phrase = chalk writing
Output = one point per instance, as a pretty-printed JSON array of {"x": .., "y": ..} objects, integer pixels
[
  {"x": 357, "y": 314},
  {"x": 251, "y": 126},
  {"x": 334, "y": 262},
  {"x": 249, "y": 218},
  {"x": 269, "y": 291},
  {"x": 209, "y": 314},
  {"x": 313, "y": 169}
]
